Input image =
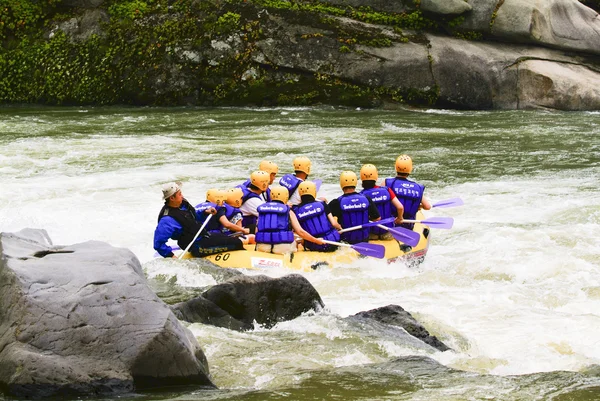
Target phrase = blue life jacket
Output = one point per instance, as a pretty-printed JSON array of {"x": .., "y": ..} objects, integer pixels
[
  {"x": 213, "y": 226},
  {"x": 246, "y": 184},
  {"x": 409, "y": 193},
  {"x": 249, "y": 219},
  {"x": 313, "y": 219},
  {"x": 291, "y": 182},
  {"x": 274, "y": 224},
  {"x": 230, "y": 211},
  {"x": 355, "y": 212},
  {"x": 383, "y": 200}
]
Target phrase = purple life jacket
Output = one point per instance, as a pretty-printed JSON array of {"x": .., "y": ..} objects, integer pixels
[
  {"x": 244, "y": 186},
  {"x": 313, "y": 219},
  {"x": 213, "y": 226},
  {"x": 383, "y": 200},
  {"x": 291, "y": 182},
  {"x": 410, "y": 194},
  {"x": 274, "y": 224},
  {"x": 355, "y": 212},
  {"x": 248, "y": 220}
]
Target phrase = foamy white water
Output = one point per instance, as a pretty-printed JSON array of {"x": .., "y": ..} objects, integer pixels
[{"x": 513, "y": 288}]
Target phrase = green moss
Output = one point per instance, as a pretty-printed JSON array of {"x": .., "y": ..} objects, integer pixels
[
  {"x": 147, "y": 44},
  {"x": 129, "y": 10},
  {"x": 23, "y": 17}
]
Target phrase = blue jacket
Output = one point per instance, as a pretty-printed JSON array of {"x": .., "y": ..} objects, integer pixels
[{"x": 168, "y": 227}]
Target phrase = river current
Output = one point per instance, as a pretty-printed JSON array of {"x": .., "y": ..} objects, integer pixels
[{"x": 513, "y": 288}]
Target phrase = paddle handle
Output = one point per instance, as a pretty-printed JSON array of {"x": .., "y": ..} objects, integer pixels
[
  {"x": 187, "y": 248},
  {"x": 336, "y": 243}
]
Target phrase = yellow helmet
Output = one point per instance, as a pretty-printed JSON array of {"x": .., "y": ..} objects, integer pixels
[
  {"x": 348, "y": 179},
  {"x": 368, "y": 172},
  {"x": 404, "y": 164},
  {"x": 280, "y": 194},
  {"x": 260, "y": 179},
  {"x": 268, "y": 166},
  {"x": 307, "y": 188},
  {"x": 302, "y": 163},
  {"x": 216, "y": 196},
  {"x": 234, "y": 197}
]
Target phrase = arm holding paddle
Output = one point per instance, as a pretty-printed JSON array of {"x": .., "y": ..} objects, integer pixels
[
  {"x": 399, "y": 208},
  {"x": 302, "y": 232}
]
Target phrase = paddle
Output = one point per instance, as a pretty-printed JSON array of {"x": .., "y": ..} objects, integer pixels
[
  {"x": 318, "y": 183},
  {"x": 187, "y": 248},
  {"x": 409, "y": 237},
  {"x": 364, "y": 248},
  {"x": 369, "y": 224},
  {"x": 435, "y": 222},
  {"x": 449, "y": 203}
]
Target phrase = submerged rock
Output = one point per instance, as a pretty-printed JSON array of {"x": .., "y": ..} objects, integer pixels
[
  {"x": 395, "y": 315},
  {"x": 81, "y": 320},
  {"x": 243, "y": 300}
]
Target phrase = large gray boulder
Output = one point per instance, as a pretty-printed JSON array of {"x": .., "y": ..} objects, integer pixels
[
  {"x": 445, "y": 7},
  {"x": 563, "y": 24},
  {"x": 81, "y": 320},
  {"x": 241, "y": 301},
  {"x": 482, "y": 75},
  {"x": 395, "y": 315}
]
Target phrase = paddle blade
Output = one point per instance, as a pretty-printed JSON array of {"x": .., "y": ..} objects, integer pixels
[
  {"x": 318, "y": 183},
  {"x": 449, "y": 203},
  {"x": 376, "y": 223},
  {"x": 373, "y": 250},
  {"x": 439, "y": 222},
  {"x": 409, "y": 237}
]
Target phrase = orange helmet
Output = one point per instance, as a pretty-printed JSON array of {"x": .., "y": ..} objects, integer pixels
[
  {"x": 260, "y": 179},
  {"x": 268, "y": 166},
  {"x": 234, "y": 197},
  {"x": 368, "y": 172},
  {"x": 302, "y": 163},
  {"x": 280, "y": 194},
  {"x": 404, "y": 164},
  {"x": 348, "y": 179},
  {"x": 216, "y": 196},
  {"x": 307, "y": 188}
]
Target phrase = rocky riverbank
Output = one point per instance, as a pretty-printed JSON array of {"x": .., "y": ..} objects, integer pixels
[
  {"x": 475, "y": 54},
  {"x": 81, "y": 320}
]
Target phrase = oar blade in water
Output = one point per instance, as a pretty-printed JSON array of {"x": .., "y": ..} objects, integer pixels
[
  {"x": 373, "y": 250},
  {"x": 439, "y": 222},
  {"x": 405, "y": 235},
  {"x": 449, "y": 203}
]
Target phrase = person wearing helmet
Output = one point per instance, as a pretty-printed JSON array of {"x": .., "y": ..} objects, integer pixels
[
  {"x": 384, "y": 199},
  {"x": 408, "y": 192},
  {"x": 277, "y": 224},
  {"x": 269, "y": 167},
  {"x": 315, "y": 217},
  {"x": 302, "y": 167},
  {"x": 232, "y": 205},
  {"x": 353, "y": 209},
  {"x": 252, "y": 199},
  {"x": 180, "y": 221},
  {"x": 220, "y": 223}
]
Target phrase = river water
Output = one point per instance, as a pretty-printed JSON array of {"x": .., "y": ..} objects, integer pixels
[{"x": 513, "y": 288}]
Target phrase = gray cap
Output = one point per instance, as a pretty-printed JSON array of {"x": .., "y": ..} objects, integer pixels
[{"x": 169, "y": 189}]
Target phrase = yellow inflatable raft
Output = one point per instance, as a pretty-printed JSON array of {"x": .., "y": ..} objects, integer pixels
[{"x": 306, "y": 260}]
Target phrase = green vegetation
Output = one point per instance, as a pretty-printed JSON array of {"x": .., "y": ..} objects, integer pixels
[{"x": 167, "y": 52}]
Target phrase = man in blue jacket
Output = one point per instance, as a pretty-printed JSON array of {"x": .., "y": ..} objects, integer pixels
[{"x": 180, "y": 221}]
